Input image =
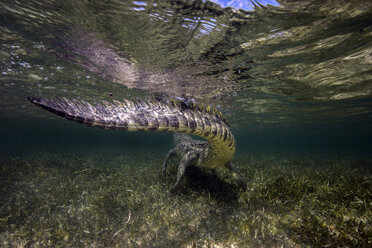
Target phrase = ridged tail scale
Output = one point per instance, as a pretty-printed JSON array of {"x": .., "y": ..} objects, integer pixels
[{"x": 150, "y": 116}]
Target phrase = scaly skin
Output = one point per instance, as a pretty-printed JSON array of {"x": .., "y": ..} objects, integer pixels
[{"x": 159, "y": 117}]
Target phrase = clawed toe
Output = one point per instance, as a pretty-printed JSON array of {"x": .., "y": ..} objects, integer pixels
[
  {"x": 176, "y": 189},
  {"x": 164, "y": 173}
]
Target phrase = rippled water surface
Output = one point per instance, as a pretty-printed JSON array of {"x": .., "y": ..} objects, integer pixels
[
  {"x": 290, "y": 76},
  {"x": 270, "y": 62}
]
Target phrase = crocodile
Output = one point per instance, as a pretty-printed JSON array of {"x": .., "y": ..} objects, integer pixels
[{"x": 181, "y": 117}]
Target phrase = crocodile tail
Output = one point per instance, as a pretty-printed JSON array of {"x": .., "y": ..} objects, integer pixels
[{"x": 149, "y": 116}]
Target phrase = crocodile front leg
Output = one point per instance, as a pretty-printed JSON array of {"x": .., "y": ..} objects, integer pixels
[
  {"x": 170, "y": 154},
  {"x": 189, "y": 159},
  {"x": 236, "y": 175}
]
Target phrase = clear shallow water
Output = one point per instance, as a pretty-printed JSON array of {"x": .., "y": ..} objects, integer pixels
[
  {"x": 292, "y": 69},
  {"x": 292, "y": 78}
]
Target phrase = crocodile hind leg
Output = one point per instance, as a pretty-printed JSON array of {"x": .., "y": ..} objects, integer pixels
[
  {"x": 236, "y": 175},
  {"x": 172, "y": 153},
  {"x": 189, "y": 159}
]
